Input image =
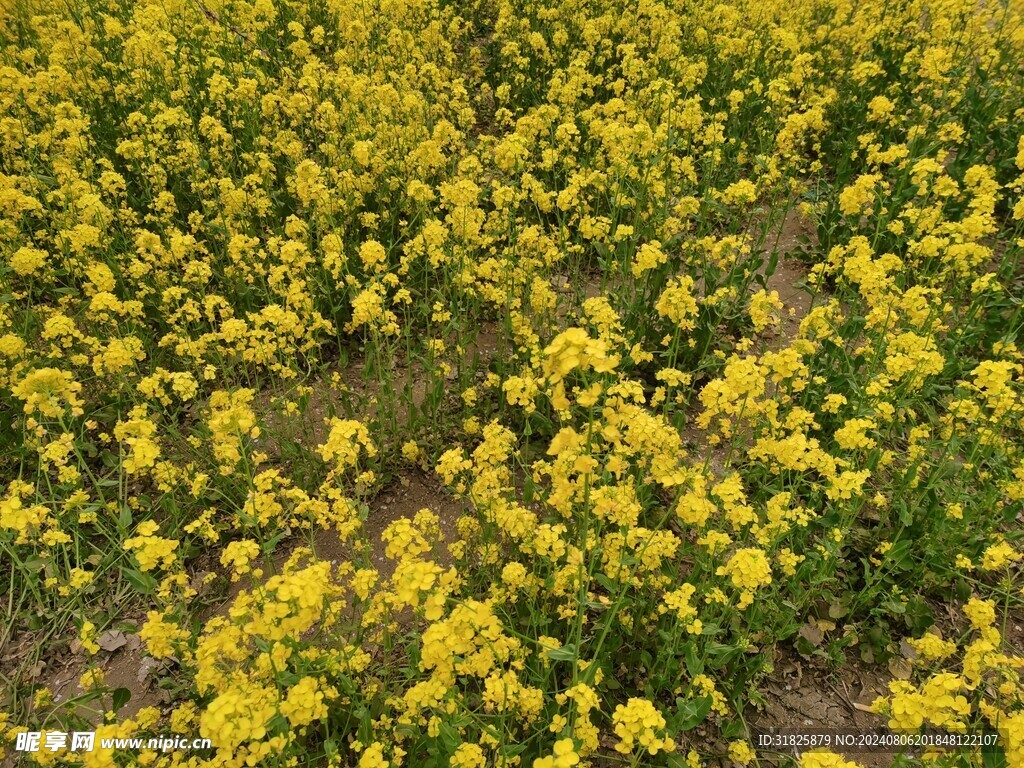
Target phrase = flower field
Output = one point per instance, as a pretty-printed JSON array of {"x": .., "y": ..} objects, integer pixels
[{"x": 462, "y": 383}]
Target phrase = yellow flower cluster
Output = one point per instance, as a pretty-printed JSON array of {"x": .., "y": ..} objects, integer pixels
[
  {"x": 637, "y": 723},
  {"x": 150, "y": 550},
  {"x": 675, "y": 323}
]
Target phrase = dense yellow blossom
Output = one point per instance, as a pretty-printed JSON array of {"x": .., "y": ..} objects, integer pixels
[{"x": 508, "y": 383}]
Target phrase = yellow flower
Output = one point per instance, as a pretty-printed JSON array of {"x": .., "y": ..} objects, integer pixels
[
  {"x": 748, "y": 568},
  {"x": 931, "y": 647},
  {"x": 764, "y": 310},
  {"x": 742, "y": 191},
  {"x": 852, "y": 435},
  {"x": 26, "y": 261},
  {"x": 373, "y": 255},
  {"x": 91, "y": 679},
  {"x": 741, "y": 753},
  {"x": 573, "y": 349},
  {"x": 677, "y": 302},
  {"x": 373, "y": 757},
  {"x": 346, "y": 440},
  {"x": 151, "y": 551},
  {"x": 999, "y": 555},
  {"x": 231, "y": 420},
  {"x": 160, "y": 635},
  {"x": 565, "y": 756},
  {"x": 981, "y": 613},
  {"x": 825, "y": 759},
  {"x": 306, "y": 702},
  {"x": 238, "y": 715},
  {"x": 648, "y": 256},
  {"x": 43, "y": 391},
  {"x": 87, "y": 637},
  {"x": 15, "y": 516},
  {"x": 468, "y": 756},
  {"x": 854, "y": 199},
  {"x": 238, "y": 555},
  {"x": 637, "y": 724}
]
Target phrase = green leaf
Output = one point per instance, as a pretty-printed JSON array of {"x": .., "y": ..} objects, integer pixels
[
  {"x": 142, "y": 582},
  {"x": 34, "y": 564},
  {"x": 993, "y": 756},
  {"x": 899, "y": 556},
  {"x": 449, "y": 736},
  {"x": 919, "y": 615},
  {"x": 732, "y": 729},
  {"x": 271, "y": 544},
  {"x": 365, "y": 725},
  {"x": 693, "y": 664},
  {"x": 605, "y": 582},
  {"x": 565, "y": 653},
  {"x": 121, "y": 696},
  {"x": 963, "y": 590},
  {"x": 528, "y": 491},
  {"x": 837, "y": 609},
  {"x": 693, "y": 711},
  {"x": 124, "y": 520}
]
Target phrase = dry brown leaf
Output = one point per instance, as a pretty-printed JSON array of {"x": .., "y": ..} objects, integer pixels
[{"x": 111, "y": 640}]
